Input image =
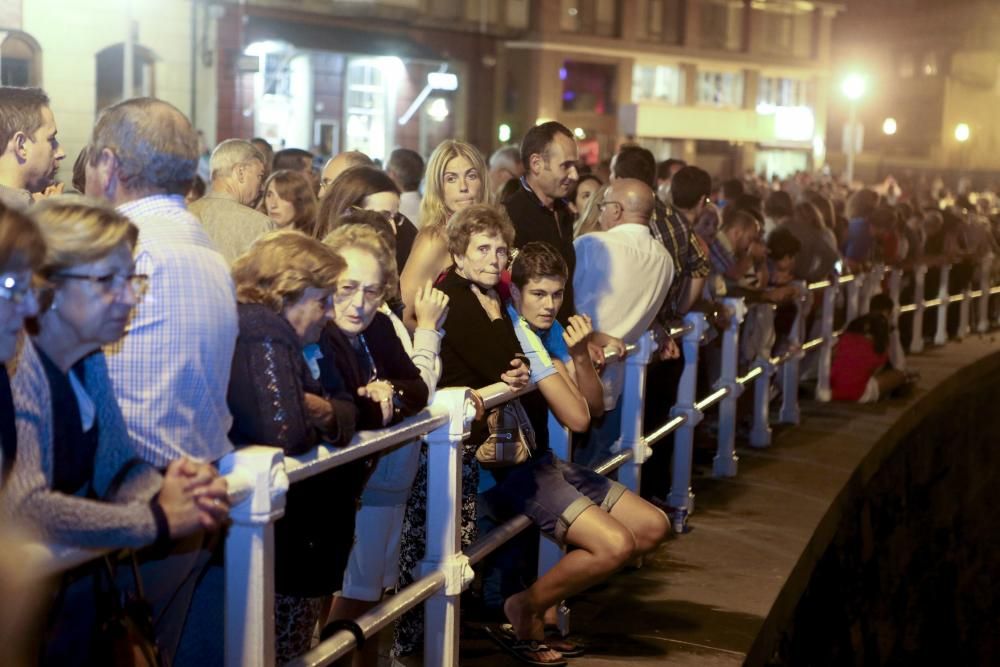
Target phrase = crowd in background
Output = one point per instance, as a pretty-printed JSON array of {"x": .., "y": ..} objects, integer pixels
[{"x": 160, "y": 306}]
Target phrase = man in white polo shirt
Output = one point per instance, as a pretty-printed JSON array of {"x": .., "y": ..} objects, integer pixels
[{"x": 622, "y": 277}]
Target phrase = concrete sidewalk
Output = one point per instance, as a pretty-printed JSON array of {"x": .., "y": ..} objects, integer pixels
[{"x": 707, "y": 596}]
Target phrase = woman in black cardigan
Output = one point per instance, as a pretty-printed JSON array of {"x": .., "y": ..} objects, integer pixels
[
  {"x": 284, "y": 284},
  {"x": 22, "y": 250},
  {"x": 479, "y": 348}
]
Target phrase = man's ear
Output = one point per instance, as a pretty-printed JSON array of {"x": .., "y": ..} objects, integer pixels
[
  {"x": 18, "y": 145},
  {"x": 107, "y": 172},
  {"x": 241, "y": 173},
  {"x": 536, "y": 163}
]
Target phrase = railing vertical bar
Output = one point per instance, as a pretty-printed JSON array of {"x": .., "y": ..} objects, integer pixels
[
  {"x": 726, "y": 462},
  {"x": 680, "y": 499},
  {"x": 941, "y": 337},
  {"x": 917, "y": 335},
  {"x": 826, "y": 350}
]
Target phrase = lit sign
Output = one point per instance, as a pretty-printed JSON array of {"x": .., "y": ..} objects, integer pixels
[{"x": 442, "y": 81}]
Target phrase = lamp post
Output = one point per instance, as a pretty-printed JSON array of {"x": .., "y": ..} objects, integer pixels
[
  {"x": 853, "y": 88},
  {"x": 888, "y": 129},
  {"x": 962, "y": 134}
]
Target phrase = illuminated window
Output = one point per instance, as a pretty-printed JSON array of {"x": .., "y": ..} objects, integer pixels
[
  {"x": 592, "y": 17},
  {"x": 19, "y": 60},
  {"x": 518, "y": 13},
  {"x": 477, "y": 11},
  {"x": 782, "y": 92},
  {"x": 588, "y": 87},
  {"x": 366, "y": 103},
  {"x": 929, "y": 67},
  {"x": 111, "y": 74},
  {"x": 661, "y": 83},
  {"x": 720, "y": 89},
  {"x": 786, "y": 32},
  {"x": 722, "y": 25}
]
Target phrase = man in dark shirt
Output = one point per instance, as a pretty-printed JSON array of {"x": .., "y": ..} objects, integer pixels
[{"x": 537, "y": 209}]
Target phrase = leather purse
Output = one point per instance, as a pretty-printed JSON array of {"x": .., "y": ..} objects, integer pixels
[{"x": 511, "y": 439}]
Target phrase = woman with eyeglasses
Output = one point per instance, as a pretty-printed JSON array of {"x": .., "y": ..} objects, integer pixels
[
  {"x": 77, "y": 480},
  {"x": 362, "y": 346},
  {"x": 22, "y": 250},
  {"x": 456, "y": 178},
  {"x": 284, "y": 285},
  {"x": 368, "y": 189}
]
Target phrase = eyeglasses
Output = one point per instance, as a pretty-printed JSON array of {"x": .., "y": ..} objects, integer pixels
[
  {"x": 14, "y": 291},
  {"x": 347, "y": 291},
  {"x": 113, "y": 283},
  {"x": 604, "y": 204}
]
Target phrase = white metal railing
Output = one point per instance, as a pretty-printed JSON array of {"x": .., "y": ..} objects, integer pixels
[{"x": 259, "y": 476}]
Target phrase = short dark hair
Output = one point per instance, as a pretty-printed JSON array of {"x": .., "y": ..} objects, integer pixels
[
  {"x": 540, "y": 136},
  {"x": 636, "y": 162},
  {"x": 408, "y": 167},
  {"x": 663, "y": 169},
  {"x": 291, "y": 158},
  {"x": 778, "y": 205},
  {"x": 689, "y": 186},
  {"x": 732, "y": 188},
  {"x": 782, "y": 243},
  {"x": 881, "y": 302},
  {"x": 20, "y": 111},
  {"x": 537, "y": 260}
]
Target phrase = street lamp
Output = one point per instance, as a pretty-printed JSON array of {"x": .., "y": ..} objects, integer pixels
[
  {"x": 889, "y": 126},
  {"x": 962, "y": 133},
  {"x": 853, "y": 87}
]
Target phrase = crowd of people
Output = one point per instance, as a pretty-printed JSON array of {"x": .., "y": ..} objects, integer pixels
[{"x": 152, "y": 320}]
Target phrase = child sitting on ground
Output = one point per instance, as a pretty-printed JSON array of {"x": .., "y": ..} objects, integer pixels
[{"x": 860, "y": 370}]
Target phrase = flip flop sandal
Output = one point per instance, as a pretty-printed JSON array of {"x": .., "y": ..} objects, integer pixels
[
  {"x": 522, "y": 649},
  {"x": 559, "y": 642}
]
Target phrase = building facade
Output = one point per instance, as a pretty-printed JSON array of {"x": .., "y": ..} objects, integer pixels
[
  {"x": 933, "y": 81},
  {"x": 729, "y": 84}
]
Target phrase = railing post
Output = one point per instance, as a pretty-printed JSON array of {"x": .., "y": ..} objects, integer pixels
[
  {"x": 896, "y": 354},
  {"x": 760, "y": 430},
  {"x": 963, "y": 311},
  {"x": 790, "y": 371},
  {"x": 680, "y": 499},
  {"x": 726, "y": 461},
  {"x": 633, "y": 409},
  {"x": 444, "y": 518},
  {"x": 919, "y": 307},
  {"x": 941, "y": 337},
  {"x": 871, "y": 287},
  {"x": 826, "y": 348},
  {"x": 854, "y": 296},
  {"x": 249, "y": 570},
  {"x": 985, "y": 273}
]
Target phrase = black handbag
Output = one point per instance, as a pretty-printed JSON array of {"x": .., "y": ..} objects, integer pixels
[{"x": 124, "y": 634}]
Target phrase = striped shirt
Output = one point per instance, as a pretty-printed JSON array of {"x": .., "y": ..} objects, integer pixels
[
  {"x": 171, "y": 369},
  {"x": 667, "y": 225}
]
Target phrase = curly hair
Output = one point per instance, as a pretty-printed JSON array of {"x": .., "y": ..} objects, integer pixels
[
  {"x": 78, "y": 230},
  {"x": 367, "y": 238},
  {"x": 478, "y": 219},
  {"x": 281, "y": 265},
  {"x": 295, "y": 188}
]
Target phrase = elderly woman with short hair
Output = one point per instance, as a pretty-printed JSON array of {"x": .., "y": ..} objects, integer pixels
[
  {"x": 22, "y": 250},
  {"x": 284, "y": 285},
  {"x": 77, "y": 479}
]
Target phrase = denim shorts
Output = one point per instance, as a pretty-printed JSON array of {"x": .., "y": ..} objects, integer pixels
[{"x": 552, "y": 493}]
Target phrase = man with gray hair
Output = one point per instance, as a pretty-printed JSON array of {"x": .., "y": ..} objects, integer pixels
[
  {"x": 505, "y": 164},
  {"x": 171, "y": 369},
  {"x": 29, "y": 150},
  {"x": 338, "y": 164},
  {"x": 225, "y": 213}
]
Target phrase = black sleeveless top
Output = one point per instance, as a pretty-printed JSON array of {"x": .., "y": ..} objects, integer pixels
[
  {"x": 73, "y": 449},
  {"x": 8, "y": 429}
]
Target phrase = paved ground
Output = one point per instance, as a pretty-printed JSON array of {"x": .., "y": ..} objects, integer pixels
[{"x": 705, "y": 597}]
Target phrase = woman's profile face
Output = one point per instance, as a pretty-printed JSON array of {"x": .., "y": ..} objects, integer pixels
[
  {"x": 281, "y": 211},
  {"x": 360, "y": 291},
  {"x": 461, "y": 183},
  {"x": 309, "y": 313},
  {"x": 94, "y": 300},
  {"x": 17, "y": 301},
  {"x": 484, "y": 260},
  {"x": 584, "y": 192}
]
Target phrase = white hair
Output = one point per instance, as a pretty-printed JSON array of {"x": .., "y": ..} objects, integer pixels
[{"x": 230, "y": 154}]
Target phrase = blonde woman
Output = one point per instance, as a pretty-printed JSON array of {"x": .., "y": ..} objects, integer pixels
[
  {"x": 456, "y": 178},
  {"x": 77, "y": 479}
]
